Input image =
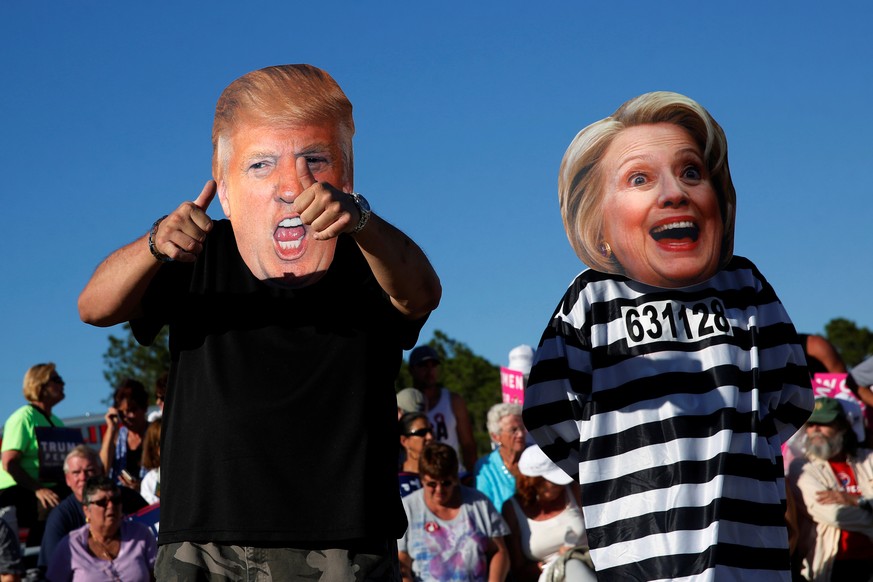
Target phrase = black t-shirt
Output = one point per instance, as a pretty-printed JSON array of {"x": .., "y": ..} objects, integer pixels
[{"x": 280, "y": 416}]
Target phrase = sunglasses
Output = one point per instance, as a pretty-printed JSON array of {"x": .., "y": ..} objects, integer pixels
[
  {"x": 420, "y": 432},
  {"x": 445, "y": 483},
  {"x": 104, "y": 501},
  {"x": 56, "y": 378}
]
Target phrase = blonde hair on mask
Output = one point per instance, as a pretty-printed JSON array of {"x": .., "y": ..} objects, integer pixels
[{"x": 281, "y": 96}]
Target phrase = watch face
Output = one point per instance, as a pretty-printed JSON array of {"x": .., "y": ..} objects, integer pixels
[{"x": 362, "y": 202}]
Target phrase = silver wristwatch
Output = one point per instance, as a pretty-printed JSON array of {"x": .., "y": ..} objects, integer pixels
[{"x": 363, "y": 209}]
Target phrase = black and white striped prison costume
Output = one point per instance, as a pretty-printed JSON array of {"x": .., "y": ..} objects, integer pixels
[{"x": 671, "y": 406}]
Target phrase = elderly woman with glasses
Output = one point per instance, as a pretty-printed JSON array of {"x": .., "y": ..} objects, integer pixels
[
  {"x": 26, "y": 484},
  {"x": 496, "y": 472},
  {"x": 454, "y": 531},
  {"x": 106, "y": 547},
  {"x": 669, "y": 375},
  {"x": 415, "y": 433}
]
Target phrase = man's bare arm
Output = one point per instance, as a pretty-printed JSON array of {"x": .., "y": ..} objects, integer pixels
[
  {"x": 498, "y": 567},
  {"x": 400, "y": 266},
  {"x": 825, "y": 352},
  {"x": 405, "y": 566},
  {"x": 114, "y": 293},
  {"x": 12, "y": 464}
]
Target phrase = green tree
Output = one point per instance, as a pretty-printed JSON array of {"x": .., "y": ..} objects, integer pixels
[
  {"x": 854, "y": 343},
  {"x": 468, "y": 374},
  {"x": 125, "y": 358}
]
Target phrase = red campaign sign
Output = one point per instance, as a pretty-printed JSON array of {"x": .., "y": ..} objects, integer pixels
[{"x": 512, "y": 382}]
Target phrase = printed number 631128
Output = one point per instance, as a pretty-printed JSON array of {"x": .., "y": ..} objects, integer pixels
[{"x": 675, "y": 321}]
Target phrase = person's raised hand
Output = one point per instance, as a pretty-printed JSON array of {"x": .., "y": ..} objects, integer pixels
[
  {"x": 182, "y": 233},
  {"x": 327, "y": 210},
  {"x": 112, "y": 418}
]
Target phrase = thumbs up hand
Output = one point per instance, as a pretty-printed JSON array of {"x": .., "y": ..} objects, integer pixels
[
  {"x": 182, "y": 233},
  {"x": 323, "y": 207}
]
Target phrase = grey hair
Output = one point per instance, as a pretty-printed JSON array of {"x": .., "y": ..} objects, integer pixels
[
  {"x": 499, "y": 411},
  {"x": 85, "y": 452}
]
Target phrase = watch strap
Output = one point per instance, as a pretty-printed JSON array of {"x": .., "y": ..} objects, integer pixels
[
  {"x": 155, "y": 252},
  {"x": 363, "y": 210}
]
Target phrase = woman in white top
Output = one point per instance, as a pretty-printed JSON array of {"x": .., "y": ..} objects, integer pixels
[
  {"x": 150, "y": 488},
  {"x": 545, "y": 521}
]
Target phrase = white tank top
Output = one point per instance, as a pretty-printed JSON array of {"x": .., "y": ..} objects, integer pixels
[
  {"x": 445, "y": 425},
  {"x": 541, "y": 540}
]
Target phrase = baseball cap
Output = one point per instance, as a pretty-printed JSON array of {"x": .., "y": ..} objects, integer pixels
[
  {"x": 534, "y": 463},
  {"x": 410, "y": 400},
  {"x": 826, "y": 411},
  {"x": 421, "y": 354}
]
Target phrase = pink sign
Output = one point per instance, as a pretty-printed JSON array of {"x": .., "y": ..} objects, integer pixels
[
  {"x": 830, "y": 385},
  {"x": 512, "y": 382}
]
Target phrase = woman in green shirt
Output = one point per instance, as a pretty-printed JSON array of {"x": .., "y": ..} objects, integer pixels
[{"x": 21, "y": 485}]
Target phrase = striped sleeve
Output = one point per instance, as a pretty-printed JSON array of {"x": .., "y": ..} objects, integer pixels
[
  {"x": 784, "y": 378},
  {"x": 560, "y": 383}
]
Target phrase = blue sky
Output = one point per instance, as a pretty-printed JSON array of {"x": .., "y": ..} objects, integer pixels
[{"x": 463, "y": 111}]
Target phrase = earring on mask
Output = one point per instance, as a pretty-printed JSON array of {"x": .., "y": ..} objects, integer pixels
[{"x": 605, "y": 250}]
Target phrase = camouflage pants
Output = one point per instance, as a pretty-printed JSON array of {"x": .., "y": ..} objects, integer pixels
[{"x": 186, "y": 561}]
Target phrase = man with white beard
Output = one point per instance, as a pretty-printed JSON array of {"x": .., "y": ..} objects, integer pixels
[{"x": 835, "y": 483}]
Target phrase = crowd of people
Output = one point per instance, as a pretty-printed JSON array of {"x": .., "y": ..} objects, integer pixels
[
  {"x": 79, "y": 530},
  {"x": 516, "y": 515},
  {"x": 828, "y": 474},
  {"x": 521, "y": 520},
  {"x": 668, "y": 429}
]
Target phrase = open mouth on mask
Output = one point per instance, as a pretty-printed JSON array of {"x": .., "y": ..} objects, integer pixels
[
  {"x": 679, "y": 231},
  {"x": 289, "y": 236}
]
